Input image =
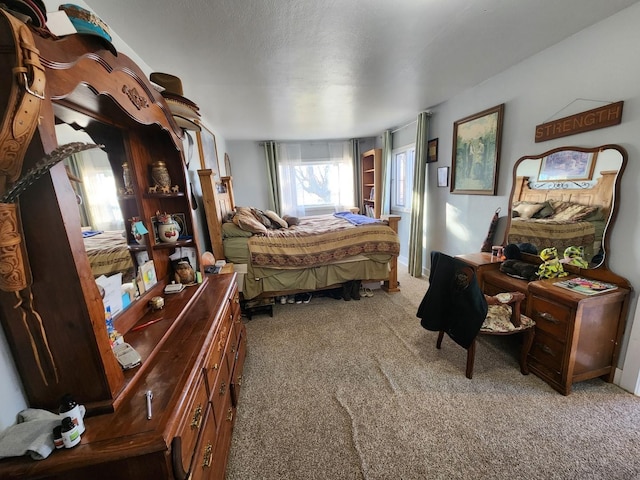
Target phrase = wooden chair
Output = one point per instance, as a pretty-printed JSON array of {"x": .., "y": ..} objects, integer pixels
[{"x": 503, "y": 318}]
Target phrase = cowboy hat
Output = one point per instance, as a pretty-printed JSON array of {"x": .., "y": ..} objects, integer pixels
[
  {"x": 184, "y": 111},
  {"x": 89, "y": 23}
]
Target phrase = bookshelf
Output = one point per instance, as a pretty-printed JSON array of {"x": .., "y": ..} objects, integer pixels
[{"x": 372, "y": 182}]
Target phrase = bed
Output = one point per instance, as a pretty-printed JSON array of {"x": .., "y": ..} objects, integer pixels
[
  {"x": 108, "y": 253},
  {"x": 561, "y": 217},
  {"x": 320, "y": 252}
]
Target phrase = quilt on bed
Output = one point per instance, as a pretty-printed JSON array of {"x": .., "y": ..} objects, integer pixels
[
  {"x": 321, "y": 240},
  {"x": 545, "y": 232},
  {"x": 108, "y": 253}
]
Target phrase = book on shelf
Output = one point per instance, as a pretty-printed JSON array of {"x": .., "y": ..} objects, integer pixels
[{"x": 586, "y": 286}]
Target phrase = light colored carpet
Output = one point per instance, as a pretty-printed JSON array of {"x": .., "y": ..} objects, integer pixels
[{"x": 357, "y": 390}]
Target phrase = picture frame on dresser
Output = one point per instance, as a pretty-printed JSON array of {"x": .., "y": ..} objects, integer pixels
[{"x": 476, "y": 152}]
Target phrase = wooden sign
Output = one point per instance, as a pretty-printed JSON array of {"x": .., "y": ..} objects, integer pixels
[{"x": 600, "y": 117}]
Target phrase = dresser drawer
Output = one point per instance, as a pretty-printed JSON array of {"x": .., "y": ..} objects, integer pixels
[
  {"x": 549, "y": 352},
  {"x": 191, "y": 425},
  {"x": 215, "y": 357},
  {"x": 550, "y": 317},
  {"x": 221, "y": 390},
  {"x": 203, "y": 460}
]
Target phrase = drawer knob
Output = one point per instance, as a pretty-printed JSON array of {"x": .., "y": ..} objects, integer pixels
[
  {"x": 546, "y": 349},
  {"x": 548, "y": 317},
  {"x": 206, "y": 457},
  {"x": 223, "y": 388},
  {"x": 215, "y": 366},
  {"x": 239, "y": 381},
  {"x": 196, "y": 419},
  {"x": 230, "y": 415}
]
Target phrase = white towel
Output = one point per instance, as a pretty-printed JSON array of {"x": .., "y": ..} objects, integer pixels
[{"x": 32, "y": 435}]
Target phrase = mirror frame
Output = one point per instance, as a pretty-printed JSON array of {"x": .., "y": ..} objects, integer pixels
[{"x": 614, "y": 205}]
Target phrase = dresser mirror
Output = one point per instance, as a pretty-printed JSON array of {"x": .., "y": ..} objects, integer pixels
[
  {"x": 566, "y": 197},
  {"x": 105, "y": 230}
]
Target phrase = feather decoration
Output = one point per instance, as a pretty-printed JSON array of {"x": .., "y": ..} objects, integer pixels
[{"x": 43, "y": 166}]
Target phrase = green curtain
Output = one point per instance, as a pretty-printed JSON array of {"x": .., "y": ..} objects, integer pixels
[
  {"x": 271, "y": 157},
  {"x": 418, "y": 196},
  {"x": 357, "y": 174},
  {"x": 387, "y": 139}
]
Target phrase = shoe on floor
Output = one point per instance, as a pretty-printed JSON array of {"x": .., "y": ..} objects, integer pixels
[
  {"x": 367, "y": 292},
  {"x": 355, "y": 289},
  {"x": 298, "y": 297},
  {"x": 291, "y": 299},
  {"x": 283, "y": 300},
  {"x": 306, "y": 297}
]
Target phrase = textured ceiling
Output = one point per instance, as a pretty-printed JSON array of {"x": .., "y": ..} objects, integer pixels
[{"x": 311, "y": 69}]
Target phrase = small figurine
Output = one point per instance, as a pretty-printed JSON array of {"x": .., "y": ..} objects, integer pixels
[
  {"x": 551, "y": 268},
  {"x": 573, "y": 256}
]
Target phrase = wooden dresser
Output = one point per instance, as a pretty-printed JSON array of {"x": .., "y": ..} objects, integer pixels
[
  {"x": 195, "y": 377},
  {"x": 577, "y": 337},
  {"x": 192, "y": 356}
]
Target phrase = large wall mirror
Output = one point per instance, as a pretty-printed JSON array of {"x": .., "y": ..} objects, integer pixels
[
  {"x": 566, "y": 197},
  {"x": 110, "y": 248}
]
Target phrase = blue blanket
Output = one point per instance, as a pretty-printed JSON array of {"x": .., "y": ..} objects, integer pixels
[{"x": 356, "y": 218}]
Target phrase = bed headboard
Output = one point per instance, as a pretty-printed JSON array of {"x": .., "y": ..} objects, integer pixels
[
  {"x": 218, "y": 203},
  {"x": 601, "y": 194}
]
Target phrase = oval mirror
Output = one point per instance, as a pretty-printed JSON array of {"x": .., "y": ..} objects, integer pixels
[{"x": 566, "y": 197}]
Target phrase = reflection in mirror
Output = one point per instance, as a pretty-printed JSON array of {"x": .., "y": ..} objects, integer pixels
[
  {"x": 566, "y": 198},
  {"x": 103, "y": 226}
]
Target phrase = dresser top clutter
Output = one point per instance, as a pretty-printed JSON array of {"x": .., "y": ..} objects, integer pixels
[{"x": 170, "y": 416}]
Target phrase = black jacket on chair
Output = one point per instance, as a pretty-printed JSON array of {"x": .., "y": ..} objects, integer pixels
[{"x": 454, "y": 302}]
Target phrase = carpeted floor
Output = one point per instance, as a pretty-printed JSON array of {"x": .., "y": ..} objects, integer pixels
[{"x": 357, "y": 390}]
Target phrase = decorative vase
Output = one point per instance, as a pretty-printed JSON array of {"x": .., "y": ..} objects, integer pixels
[
  {"x": 160, "y": 174},
  {"x": 168, "y": 229},
  {"x": 137, "y": 235},
  {"x": 126, "y": 177}
]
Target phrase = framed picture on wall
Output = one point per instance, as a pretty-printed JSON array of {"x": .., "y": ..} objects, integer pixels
[
  {"x": 567, "y": 165},
  {"x": 432, "y": 150},
  {"x": 443, "y": 176},
  {"x": 208, "y": 151},
  {"x": 476, "y": 152}
]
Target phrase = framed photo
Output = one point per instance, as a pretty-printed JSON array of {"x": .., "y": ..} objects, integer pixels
[
  {"x": 432, "y": 150},
  {"x": 567, "y": 165},
  {"x": 476, "y": 152},
  {"x": 443, "y": 176},
  {"x": 208, "y": 151}
]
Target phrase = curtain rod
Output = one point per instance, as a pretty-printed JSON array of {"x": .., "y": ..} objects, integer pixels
[{"x": 403, "y": 127}]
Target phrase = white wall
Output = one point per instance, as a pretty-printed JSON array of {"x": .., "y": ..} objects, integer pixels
[
  {"x": 600, "y": 63},
  {"x": 249, "y": 172}
]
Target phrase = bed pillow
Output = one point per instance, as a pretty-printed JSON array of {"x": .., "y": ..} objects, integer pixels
[
  {"x": 545, "y": 212},
  {"x": 249, "y": 223},
  {"x": 596, "y": 216},
  {"x": 276, "y": 221},
  {"x": 526, "y": 209},
  {"x": 291, "y": 221},
  {"x": 574, "y": 213},
  {"x": 231, "y": 230}
]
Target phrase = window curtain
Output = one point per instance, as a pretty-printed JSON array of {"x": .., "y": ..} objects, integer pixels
[
  {"x": 418, "y": 197},
  {"x": 387, "y": 139},
  {"x": 357, "y": 173},
  {"x": 315, "y": 177},
  {"x": 99, "y": 207},
  {"x": 271, "y": 157}
]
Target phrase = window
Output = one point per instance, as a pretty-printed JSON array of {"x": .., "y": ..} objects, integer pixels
[
  {"x": 402, "y": 178},
  {"x": 315, "y": 178}
]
